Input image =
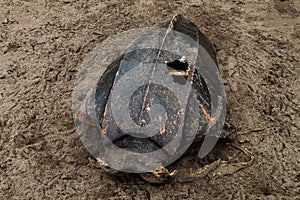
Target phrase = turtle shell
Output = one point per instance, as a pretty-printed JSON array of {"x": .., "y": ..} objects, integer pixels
[{"x": 155, "y": 112}]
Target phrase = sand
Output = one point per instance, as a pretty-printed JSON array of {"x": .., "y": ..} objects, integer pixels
[{"x": 43, "y": 43}]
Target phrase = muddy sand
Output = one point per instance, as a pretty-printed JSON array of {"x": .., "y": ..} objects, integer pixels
[{"x": 43, "y": 43}]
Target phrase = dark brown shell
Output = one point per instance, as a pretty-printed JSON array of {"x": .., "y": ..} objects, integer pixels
[{"x": 156, "y": 94}]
